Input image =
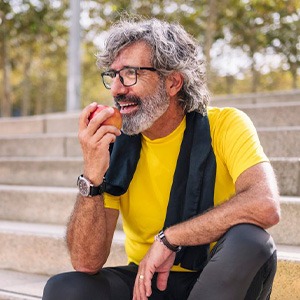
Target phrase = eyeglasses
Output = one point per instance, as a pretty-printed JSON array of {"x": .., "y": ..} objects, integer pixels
[{"x": 127, "y": 75}]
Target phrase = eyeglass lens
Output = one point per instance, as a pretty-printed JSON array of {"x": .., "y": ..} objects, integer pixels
[{"x": 127, "y": 77}]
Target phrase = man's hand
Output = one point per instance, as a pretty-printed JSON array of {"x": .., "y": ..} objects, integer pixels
[
  {"x": 95, "y": 140},
  {"x": 158, "y": 259}
]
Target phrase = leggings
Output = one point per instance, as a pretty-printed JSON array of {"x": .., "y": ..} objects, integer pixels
[{"x": 242, "y": 265}]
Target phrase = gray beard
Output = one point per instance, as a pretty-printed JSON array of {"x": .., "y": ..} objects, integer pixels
[{"x": 151, "y": 108}]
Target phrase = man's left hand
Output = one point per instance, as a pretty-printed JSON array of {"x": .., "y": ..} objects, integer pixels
[{"x": 158, "y": 259}]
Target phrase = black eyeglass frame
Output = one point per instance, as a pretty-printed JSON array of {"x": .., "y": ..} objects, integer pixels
[{"x": 114, "y": 73}]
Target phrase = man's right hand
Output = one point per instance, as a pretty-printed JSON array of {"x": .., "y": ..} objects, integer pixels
[{"x": 95, "y": 140}]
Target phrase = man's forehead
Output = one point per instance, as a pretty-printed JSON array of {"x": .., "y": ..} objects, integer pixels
[{"x": 136, "y": 54}]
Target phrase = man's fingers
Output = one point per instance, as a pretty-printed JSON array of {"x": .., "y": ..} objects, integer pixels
[
  {"x": 162, "y": 280},
  {"x": 147, "y": 284},
  {"x": 84, "y": 116},
  {"x": 99, "y": 118},
  {"x": 141, "y": 286}
]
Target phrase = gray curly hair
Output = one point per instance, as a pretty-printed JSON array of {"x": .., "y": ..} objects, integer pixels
[{"x": 173, "y": 49}]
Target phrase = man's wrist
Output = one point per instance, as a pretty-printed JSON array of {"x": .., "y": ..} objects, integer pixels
[
  {"x": 88, "y": 189},
  {"x": 95, "y": 180},
  {"x": 162, "y": 239}
]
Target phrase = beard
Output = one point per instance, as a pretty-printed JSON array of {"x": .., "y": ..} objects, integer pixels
[{"x": 150, "y": 109}]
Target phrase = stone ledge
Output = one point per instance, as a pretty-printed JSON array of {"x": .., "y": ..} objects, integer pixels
[
  {"x": 281, "y": 141},
  {"x": 17, "y": 285},
  {"x": 64, "y": 171},
  {"x": 41, "y": 249}
]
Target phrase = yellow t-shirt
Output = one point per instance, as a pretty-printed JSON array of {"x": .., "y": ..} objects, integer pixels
[{"x": 144, "y": 205}]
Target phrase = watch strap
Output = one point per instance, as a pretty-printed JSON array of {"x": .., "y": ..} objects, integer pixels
[
  {"x": 97, "y": 190},
  {"x": 162, "y": 238}
]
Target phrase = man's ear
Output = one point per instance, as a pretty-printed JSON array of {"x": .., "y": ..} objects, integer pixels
[{"x": 174, "y": 83}]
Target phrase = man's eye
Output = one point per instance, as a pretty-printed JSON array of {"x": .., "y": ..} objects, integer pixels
[
  {"x": 111, "y": 74},
  {"x": 129, "y": 72}
]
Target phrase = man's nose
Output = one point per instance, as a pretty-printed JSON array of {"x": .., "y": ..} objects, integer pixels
[{"x": 117, "y": 86}]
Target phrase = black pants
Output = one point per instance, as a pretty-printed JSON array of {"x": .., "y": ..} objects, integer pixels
[{"x": 242, "y": 266}]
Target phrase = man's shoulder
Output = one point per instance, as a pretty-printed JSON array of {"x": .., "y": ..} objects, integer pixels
[{"x": 222, "y": 114}]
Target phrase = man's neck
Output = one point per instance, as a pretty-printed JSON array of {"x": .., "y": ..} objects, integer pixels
[{"x": 166, "y": 124}]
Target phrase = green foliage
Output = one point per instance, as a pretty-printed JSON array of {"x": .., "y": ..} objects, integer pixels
[{"x": 34, "y": 43}]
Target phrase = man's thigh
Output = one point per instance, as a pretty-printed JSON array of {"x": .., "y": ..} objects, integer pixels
[
  {"x": 108, "y": 284},
  {"x": 114, "y": 284},
  {"x": 236, "y": 260}
]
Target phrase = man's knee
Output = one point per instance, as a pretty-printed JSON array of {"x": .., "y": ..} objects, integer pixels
[
  {"x": 73, "y": 286},
  {"x": 236, "y": 259},
  {"x": 250, "y": 241}
]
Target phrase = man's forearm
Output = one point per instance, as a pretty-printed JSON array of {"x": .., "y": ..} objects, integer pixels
[
  {"x": 211, "y": 225},
  {"x": 256, "y": 202},
  {"x": 87, "y": 234}
]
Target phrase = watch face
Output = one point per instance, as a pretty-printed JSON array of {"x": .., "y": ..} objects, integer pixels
[{"x": 84, "y": 187}]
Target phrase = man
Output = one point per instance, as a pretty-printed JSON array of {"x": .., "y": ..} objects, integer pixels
[{"x": 192, "y": 183}]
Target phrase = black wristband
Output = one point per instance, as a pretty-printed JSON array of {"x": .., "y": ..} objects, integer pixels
[{"x": 162, "y": 238}]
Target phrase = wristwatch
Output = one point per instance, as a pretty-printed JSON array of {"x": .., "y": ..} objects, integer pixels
[
  {"x": 160, "y": 237},
  {"x": 87, "y": 189}
]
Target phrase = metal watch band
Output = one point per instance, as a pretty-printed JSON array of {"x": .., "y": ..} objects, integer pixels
[{"x": 162, "y": 238}]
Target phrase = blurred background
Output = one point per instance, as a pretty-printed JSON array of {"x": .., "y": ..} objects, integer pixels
[{"x": 249, "y": 46}]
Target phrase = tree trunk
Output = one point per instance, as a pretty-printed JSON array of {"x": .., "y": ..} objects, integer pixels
[
  {"x": 26, "y": 86},
  {"x": 255, "y": 78},
  {"x": 229, "y": 84},
  {"x": 293, "y": 71},
  {"x": 210, "y": 34},
  {"x": 6, "y": 69}
]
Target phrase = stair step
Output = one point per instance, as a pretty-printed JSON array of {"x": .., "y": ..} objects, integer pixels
[
  {"x": 287, "y": 281},
  {"x": 53, "y": 205},
  {"x": 40, "y": 171},
  {"x": 258, "y": 98},
  {"x": 288, "y": 174},
  {"x": 64, "y": 171},
  {"x": 287, "y": 230},
  {"x": 277, "y": 142},
  {"x": 280, "y": 141},
  {"x": 37, "y": 204},
  {"x": 40, "y": 145},
  {"x": 267, "y": 114},
  {"x": 48, "y": 247},
  {"x": 50, "y": 123},
  {"x": 274, "y": 114},
  {"x": 19, "y": 285},
  {"x": 41, "y": 248}
]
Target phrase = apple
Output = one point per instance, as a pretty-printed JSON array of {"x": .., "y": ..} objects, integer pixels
[{"x": 115, "y": 119}]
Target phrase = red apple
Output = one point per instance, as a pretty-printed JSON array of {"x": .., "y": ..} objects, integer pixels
[{"x": 115, "y": 119}]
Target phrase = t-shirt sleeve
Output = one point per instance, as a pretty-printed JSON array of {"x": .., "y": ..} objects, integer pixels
[
  {"x": 239, "y": 142},
  {"x": 111, "y": 201}
]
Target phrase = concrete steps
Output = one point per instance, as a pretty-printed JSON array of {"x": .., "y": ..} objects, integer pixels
[
  {"x": 34, "y": 204},
  {"x": 41, "y": 248},
  {"x": 40, "y": 171},
  {"x": 281, "y": 141},
  {"x": 53, "y": 205},
  {"x": 21, "y": 286},
  {"x": 40, "y": 160},
  {"x": 257, "y": 98},
  {"x": 16, "y": 285},
  {"x": 40, "y": 145},
  {"x": 272, "y": 114},
  {"x": 63, "y": 172},
  {"x": 51, "y": 123}
]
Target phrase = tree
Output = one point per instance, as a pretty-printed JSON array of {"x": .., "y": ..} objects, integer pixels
[
  {"x": 5, "y": 29},
  {"x": 285, "y": 36}
]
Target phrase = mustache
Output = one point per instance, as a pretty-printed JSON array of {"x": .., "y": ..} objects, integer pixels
[{"x": 125, "y": 98}]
